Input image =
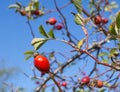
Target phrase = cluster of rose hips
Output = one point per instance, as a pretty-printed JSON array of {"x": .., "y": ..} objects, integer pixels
[
  {"x": 98, "y": 20},
  {"x": 43, "y": 65},
  {"x": 86, "y": 81},
  {"x": 53, "y": 21},
  {"x": 23, "y": 12}
]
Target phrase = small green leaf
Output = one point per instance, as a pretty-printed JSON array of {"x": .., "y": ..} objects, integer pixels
[
  {"x": 36, "y": 5},
  {"x": 80, "y": 43},
  {"x": 38, "y": 42},
  {"x": 38, "y": 45},
  {"x": 51, "y": 34},
  {"x": 14, "y": 6},
  {"x": 118, "y": 20},
  {"x": 113, "y": 51},
  {"x": 111, "y": 6},
  {"x": 78, "y": 5},
  {"x": 105, "y": 60},
  {"x": 114, "y": 5},
  {"x": 102, "y": 90},
  {"x": 79, "y": 20},
  {"x": 19, "y": 4},
  {"x": 112, "y": 29},
  {"x": 42, "y": 31},
  {"x": 29, "y": 52},
  {"x": 102, "y": 54},
  {"x": 28, "y": 56}
]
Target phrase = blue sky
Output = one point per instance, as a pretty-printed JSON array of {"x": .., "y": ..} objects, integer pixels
[{"x": 15, "y": 38}]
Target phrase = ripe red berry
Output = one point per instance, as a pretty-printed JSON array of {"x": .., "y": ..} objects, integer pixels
[
  {"x": 104, "y": 20},
  {"x": 99, "y": 83},
  {"x": 98, "y": 19},
  {"x": 64, "y": 84},
  {"x": 51, "y": 21},
  {"x": 36, "y": 12},
  {"x": 59, "y": 26},
  {"x": 85, "y": 80},
  {"x": 42, "y": 63}
]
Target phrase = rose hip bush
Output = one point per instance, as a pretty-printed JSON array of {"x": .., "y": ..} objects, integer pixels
[{"x": 89, "y": 31}]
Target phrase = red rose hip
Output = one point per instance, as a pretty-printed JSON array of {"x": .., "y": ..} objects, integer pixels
[
  {"x": 64, "y": 84},
  {"x": 59, "y": 26},
  {"x": 98, "y": 19},
  {"x": 99, "y": 83},
  {"x": 104, "y": 20},
  {"x": 85, "y": 80},
  {"x": 42, "y": 63},
  {"x": 51, "y": 21},
  {"x": 36, "y": 12}
]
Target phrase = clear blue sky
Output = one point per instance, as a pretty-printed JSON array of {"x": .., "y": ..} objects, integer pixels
[{"x": 15, "y": 38}]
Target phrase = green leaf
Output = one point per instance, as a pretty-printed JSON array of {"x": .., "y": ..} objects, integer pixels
[
  {"x": 51, "y": 34},
  {"x": 80, "y": 43},
  {"x": 79, "y": 20},
  {"x": 105, "y": 60},
  {"x": 113, "y": 51},
  {"x": 42, "y": 31},
  {"x": 102, "y": 54},
  {"x": 14, "y": 6},
  {"x": 36, "y": 5},
  {"x": 102, "y": 90},
  {"x": 118, "y": 20},
  {"x": 112, "y": 29},
  {"x": 111, "y": 6},
  {"x": 28, "y": 54},
  {"x": 38, "y": 42},
  {"x": 78, "y": 5}
]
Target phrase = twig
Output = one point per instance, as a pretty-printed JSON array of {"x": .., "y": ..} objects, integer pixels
[
  {"x": 64, "y": 21},
  {"x": 31, "y": 30},
  {"x": 52, "y": 77},
  {"x": 86, "y": 39}
]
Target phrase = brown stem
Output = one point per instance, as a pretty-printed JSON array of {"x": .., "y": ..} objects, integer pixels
[
  {"x": 86, "y": 33},
  {"x": 102, "y": 63},
  {"x": 64, "y": 21},
  {"x": 52, "y": 77}
]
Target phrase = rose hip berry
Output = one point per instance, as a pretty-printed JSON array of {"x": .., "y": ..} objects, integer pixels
[
  {"x": 36, "y": 12},
  {"x": 85, "y": 80},
  {"x": 59, "y": 26},
  {"x": 42, "y": 63},
  {"x": 98, "y": 19},
  {"x": 99, "y": 83},
  {"x": 64, "y": 84},
  {"x": 51, "y": 21},
  {"x": 104, "y": 20}
]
